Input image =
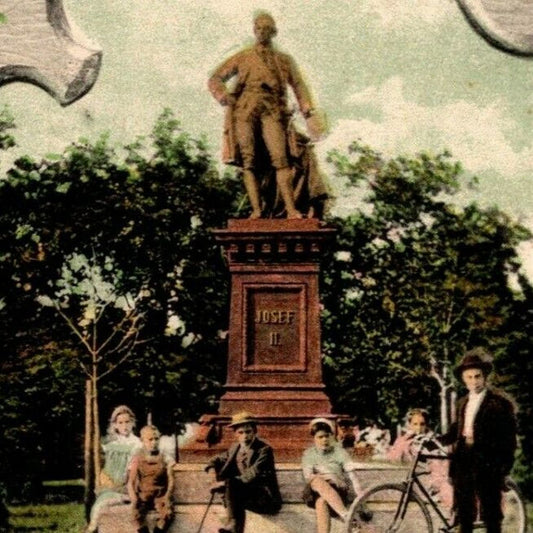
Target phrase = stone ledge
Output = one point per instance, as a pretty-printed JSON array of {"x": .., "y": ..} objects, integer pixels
[
  {"x": 293, "y": 518},
  {"x": 192, "y": 495},
  {"x": 192, "y": 483}
]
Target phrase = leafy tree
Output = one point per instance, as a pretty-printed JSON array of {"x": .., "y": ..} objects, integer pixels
[
  {"x": 516, "y": 366},
  {"x": 415, "y": 279},
  {"x": 107, "y": 326},
  {"x": 6, "y": 141},
  {"x": 146, "y": 212},
  {"x": 7, "y": 123}
]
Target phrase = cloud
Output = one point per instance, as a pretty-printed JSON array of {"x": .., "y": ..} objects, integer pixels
[
  {"x": 395, "y": 14},
  {"x": 477, "y": 136},
  {"x": 239, "y": 12}
]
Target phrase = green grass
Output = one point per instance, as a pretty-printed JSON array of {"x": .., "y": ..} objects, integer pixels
[
  {"x": 64, "y": 483},
  {"x": 58, "y": 518}
]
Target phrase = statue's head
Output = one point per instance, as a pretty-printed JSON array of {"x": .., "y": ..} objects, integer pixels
[{"x": 264, "y": 27}]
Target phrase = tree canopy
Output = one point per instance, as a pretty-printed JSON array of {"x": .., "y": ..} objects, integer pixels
[
  {"x": 143, "y": 214},
  {"x": 414, "y": 277},
  {"x": 417, "y": 278}
]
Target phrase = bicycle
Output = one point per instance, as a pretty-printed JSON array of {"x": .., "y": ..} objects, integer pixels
[{"x": 409, "y": 507}]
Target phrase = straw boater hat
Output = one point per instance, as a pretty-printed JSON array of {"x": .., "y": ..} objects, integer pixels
[
  {"x": 476, "y": 358},
  {"x": 242, "y": 418}
]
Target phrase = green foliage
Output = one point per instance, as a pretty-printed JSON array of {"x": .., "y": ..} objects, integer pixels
[
  {"x": 414, "y": 278},
  {"x": 40, "y": 392},
  {"x": 7, "y": 123},
  {"x": 146, "y": 211},
  {"x": 516, "y": 365},
  {"x": 66, "y": 518},
  {"x": 107, "y": 323}
]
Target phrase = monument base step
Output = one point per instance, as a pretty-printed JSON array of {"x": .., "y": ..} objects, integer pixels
[
  {"x": 192, "y": 495},
  {"x": 293, "y": 518},
  {"x": 191, "y": 482}
]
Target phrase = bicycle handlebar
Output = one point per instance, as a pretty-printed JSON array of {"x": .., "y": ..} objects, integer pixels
[{"x": 423, "y": 440}]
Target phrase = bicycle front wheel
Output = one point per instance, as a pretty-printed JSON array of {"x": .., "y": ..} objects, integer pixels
[
  {"x": 514, "y": 510},
  {"x": 381, "y": 509}
]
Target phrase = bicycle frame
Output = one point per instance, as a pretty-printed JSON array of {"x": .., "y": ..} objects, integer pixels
[
  {"x": 413, "y": 501},
  {"x": 428, "y": 498},
  {"x": 413, "y": 480}
]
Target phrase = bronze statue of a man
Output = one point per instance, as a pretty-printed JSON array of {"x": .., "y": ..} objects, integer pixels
[{"x": 257, "y": 112}]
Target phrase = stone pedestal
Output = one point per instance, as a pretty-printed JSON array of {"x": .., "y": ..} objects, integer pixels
[{"x": 274, "y": 358}]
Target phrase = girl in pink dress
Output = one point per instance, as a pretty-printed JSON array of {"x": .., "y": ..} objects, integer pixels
[{"x": 403, "y": 451}]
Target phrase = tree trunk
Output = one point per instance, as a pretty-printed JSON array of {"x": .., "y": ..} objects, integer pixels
[
  {"x": 95, "y": 431},
  {"x": 88, "y": 497},
  {"x": 453, "y": 409},
  {"x": 443, "y": 410}
]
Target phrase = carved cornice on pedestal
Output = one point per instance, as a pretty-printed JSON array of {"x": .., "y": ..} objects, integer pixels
[{"x": 274, "y": 240}]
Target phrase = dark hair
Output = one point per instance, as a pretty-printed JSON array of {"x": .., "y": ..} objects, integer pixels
[
  {"x": 264, "y": 15},
  {"x": 345, "y": 422},
  {"x": 321, "y": 426}
]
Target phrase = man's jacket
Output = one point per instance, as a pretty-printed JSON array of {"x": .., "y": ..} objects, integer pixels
[
  {"x": 260, "y": 473},
  {"x": 494, "y": 435}
]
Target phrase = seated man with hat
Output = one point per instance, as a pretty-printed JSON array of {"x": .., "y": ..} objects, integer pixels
[
  {"x": 247, "y": 475},
  {"x": 484, "y": 442}
]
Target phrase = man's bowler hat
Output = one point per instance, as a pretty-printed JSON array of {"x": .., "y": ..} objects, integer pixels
[
  {"x": 242, "y": 418},
  {"x": 475, "y": 358}
]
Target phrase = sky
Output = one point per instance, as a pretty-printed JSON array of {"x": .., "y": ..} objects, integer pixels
[{"x": 402, "y": 76}]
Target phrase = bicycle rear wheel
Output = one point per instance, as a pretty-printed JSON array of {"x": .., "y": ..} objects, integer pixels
[
  {"x": 514, "y": 510},
  {"x": 378, "y": 511}
]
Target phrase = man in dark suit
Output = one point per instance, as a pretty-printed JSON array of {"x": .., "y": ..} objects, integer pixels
[
  {"x": 247, "y": 474},
  {"x": 484, "y": 442}
]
